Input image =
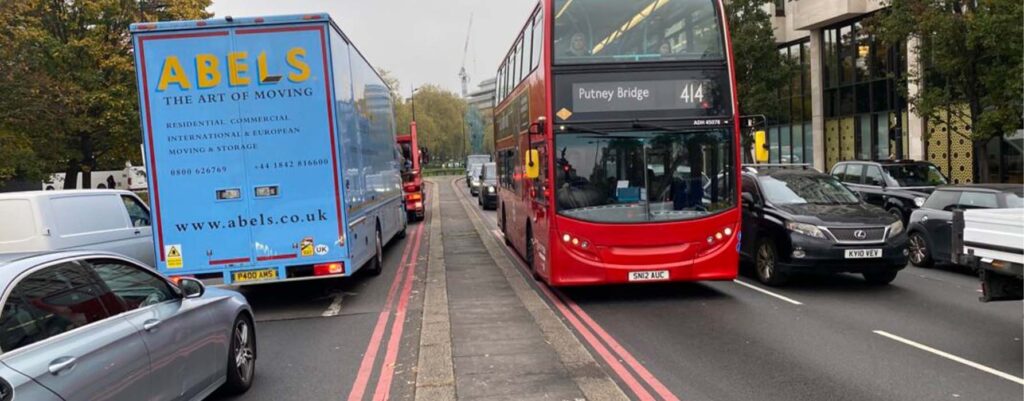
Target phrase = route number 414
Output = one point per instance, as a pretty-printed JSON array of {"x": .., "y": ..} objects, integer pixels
[{"x": 693, "y": 93}]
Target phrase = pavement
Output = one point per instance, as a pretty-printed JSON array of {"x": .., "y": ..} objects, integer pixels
[{"x": 456, "y": 316}]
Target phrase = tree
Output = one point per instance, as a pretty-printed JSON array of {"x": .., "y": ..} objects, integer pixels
[
  {"x": 761, "y": 71},
  {"x": 970, "y": 51},
  {"x": 68, "y": 79}
]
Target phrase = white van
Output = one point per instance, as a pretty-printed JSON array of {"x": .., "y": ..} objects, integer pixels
[{"x": 107, "y": 220}]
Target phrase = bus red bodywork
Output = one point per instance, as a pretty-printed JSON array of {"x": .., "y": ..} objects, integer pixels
[
  {"x": 567, "y": 251},
  {"x": 412, "y": 176}
]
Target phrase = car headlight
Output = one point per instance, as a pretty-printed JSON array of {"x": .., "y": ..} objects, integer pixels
[
  {"x": 895, "y": 228},
  {"x": 805, "y": 229},
  {"x": 919, "y": 201},
  {"x": 490, "y": 190}
]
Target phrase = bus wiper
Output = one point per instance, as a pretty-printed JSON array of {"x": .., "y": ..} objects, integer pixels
[{"x": 582, "y": 129}]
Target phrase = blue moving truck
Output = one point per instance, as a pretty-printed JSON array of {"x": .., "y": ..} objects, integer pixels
[{"x": 271, "y": 149}]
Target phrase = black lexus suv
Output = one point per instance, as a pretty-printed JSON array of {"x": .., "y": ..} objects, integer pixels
[
  {"x": 799, "y": 220},
  {"x": 899, "y": 187}
]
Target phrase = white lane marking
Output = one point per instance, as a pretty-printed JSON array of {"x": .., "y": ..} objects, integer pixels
[
  {"x": 769, "y": 293},
  {"x": 335, "y": 308},
  {"x": 952, "y": 357}
]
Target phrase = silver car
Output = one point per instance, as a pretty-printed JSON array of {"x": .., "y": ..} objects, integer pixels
[{"x": 99, "y": 326}]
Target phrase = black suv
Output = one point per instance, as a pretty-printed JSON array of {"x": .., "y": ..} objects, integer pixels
[
  {"x": 930, "y": 229},
  {"x": 899, "y": 187},
  {"x": 800, "y": 220}
]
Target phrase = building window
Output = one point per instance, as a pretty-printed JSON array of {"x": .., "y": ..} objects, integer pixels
[
  {"x": 790, "y": 138},
  {"x": 860, "y": 89},
  {"x": 780, "y": 8}
]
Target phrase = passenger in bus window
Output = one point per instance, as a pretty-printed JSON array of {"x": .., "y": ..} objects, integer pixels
[{"x": 577, "y": 46}]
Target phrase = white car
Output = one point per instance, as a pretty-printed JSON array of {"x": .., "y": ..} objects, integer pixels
[{"x": 101, "y": 220}]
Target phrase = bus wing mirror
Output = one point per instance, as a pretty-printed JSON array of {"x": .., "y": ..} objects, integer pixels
[
  {"x": 537, "y": 128},
  {"x": 532, "y": 164},
  {"x": 760, "y": 146}
]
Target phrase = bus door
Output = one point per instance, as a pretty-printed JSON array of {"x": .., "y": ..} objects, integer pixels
[{"x": 541, "y": 208}]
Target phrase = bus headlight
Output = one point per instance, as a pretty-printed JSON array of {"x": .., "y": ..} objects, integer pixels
[
  {"x": 805, "y": 229},
  {"x": 895, "y": 228}
]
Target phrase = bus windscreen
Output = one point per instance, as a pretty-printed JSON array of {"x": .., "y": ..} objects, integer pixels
[{"x": 600, "y": 31}]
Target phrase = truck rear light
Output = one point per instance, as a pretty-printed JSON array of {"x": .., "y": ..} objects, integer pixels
[
  {"x": 327, "y": 269},
  {"x": 414, "y": 197},
  {"x": 311, "y": 17},
  {"x": 200, "y": 23}
]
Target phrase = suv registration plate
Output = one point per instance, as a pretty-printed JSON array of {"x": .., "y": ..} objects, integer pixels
[{"x": 863, "y": 253}]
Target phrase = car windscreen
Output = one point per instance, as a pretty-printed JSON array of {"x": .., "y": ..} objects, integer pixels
[
  {"x": 602, "y": 31},
  {"x": 491, "y": 173},
  {"x": 915, "y": 175},
  {"x": 806, "y": 189},
  {"x": 633, "y": 177}
]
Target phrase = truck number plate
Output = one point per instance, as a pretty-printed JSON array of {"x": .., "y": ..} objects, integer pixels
[
  {"x": 254, "y": 275},
  {"x": 863, "y": 253},
  {"x": 656, "y": 275}
]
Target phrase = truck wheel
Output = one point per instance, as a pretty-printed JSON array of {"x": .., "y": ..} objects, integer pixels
[
  {"x": 504, "y": 225},
  {"x": 882, "y": 277},
  {"x": 766, "y": 264},
  {"x": 920, "y": 255},
  {"x": 241, "y": 356},
  {"x": 530, "y": 262},
  {"x": 377, "y": 263}
]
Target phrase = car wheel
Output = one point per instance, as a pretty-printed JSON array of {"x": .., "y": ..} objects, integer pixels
[
  {"x": 377, "y": 263},
  {"x": 766, "y": 264},
  {"x": 920, "y": 255},
  {"x": 881, "y": 277},
  {"x": 504, "y": 225},
  {"x": 241, "y": 356}
]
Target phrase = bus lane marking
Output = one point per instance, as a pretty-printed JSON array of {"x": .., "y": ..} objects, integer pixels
[
  {"x": 951, "y": 357},
  {"x": 766, "y": 292}
]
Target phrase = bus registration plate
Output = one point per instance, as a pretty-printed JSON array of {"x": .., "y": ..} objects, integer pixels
[
  {"x": 255, "y": 275},
  {"x": 656, "y": 275},
  {"x": 863, "y": 253}
]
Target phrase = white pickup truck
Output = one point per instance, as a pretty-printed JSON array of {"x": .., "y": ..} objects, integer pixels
[{"x": 992, "y": 241}]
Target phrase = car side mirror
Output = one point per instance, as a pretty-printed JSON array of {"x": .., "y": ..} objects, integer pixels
[
  {"x": 191, "y": 288},
  {"x": 748, "y": 199}
]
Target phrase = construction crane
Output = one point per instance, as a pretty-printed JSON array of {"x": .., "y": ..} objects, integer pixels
[{"x": 463, "y": 75}]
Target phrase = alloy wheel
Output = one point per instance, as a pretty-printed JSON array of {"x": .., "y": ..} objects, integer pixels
[{"x": 244, "y": 355}]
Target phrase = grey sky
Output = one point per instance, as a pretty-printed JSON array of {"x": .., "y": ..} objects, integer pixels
[{"x": 419, "y": 41}]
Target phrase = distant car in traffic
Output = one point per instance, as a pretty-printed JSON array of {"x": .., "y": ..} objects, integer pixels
[
  {"x": 930, "y": 226},
  {"x": 798, "y": 220},
  {"x": 104, "y": 220},
  {"x": 474, "y": 178},
  {"x": 488, "y": 198},
  {"x": 899, "y": 187},
  {"x": 97, "y": 325}
]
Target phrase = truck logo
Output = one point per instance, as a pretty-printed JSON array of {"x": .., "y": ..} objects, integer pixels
[{"x": 210, "y": 73}]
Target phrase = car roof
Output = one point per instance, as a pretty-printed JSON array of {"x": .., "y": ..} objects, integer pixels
[
  {"x": 885, "y": 162},
  {"x": 70, "y": 192},
  {"x": 1012, "y": 188},
  {"x": 13, "y": 264}
]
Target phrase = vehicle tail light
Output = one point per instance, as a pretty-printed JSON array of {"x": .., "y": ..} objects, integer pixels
[
  {"x": 414, "y": 196},
  {"x": 311, "y": 17},
  {"x": 327, "y": 269}
]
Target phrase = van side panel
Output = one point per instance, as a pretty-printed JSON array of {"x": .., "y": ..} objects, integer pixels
[
  {"x": 20, "y": 230},
  {"x": 242, "y": 150}
]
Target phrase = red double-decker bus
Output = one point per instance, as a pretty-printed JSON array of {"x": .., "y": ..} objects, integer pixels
[{"x": 617, "y": 142}]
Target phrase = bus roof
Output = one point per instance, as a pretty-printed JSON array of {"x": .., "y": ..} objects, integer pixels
[{"x": 140, "y": 27}]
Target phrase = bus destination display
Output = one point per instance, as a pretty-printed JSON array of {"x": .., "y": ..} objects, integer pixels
[{"x": 590, "y": 97}]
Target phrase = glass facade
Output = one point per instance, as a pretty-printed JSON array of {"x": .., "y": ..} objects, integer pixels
[
  {"x": 789, "y": 132},
  {"x": 860, "y": 92}
]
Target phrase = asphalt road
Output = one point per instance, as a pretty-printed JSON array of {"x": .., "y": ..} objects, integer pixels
[
  {"x": 924, "y": 337},
  {"x": 312, "y": 336}
]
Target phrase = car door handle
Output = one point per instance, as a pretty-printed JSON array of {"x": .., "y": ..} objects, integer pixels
[
  {"x": 62, "y": 364},
  {"x": 137, "y": 232},
  {"x": 151, "y": 324}
]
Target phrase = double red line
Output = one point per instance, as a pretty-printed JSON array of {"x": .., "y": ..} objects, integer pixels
[{"x": 404, "y": 278}]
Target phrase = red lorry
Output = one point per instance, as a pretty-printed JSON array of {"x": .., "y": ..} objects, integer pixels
[{"x": 412, "y": 175}]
